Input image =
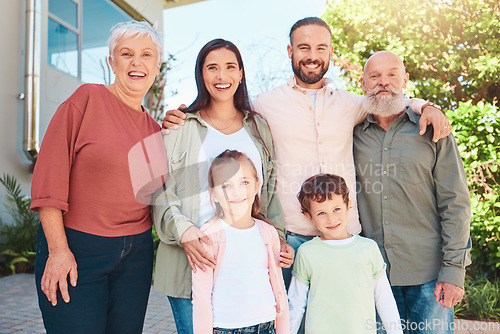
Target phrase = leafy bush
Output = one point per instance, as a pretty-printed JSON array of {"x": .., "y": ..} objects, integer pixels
[
  {"x": 18, "y": 238},
  {"x": 482, "y": 299},
  {"x": 450, "y": 47},
  {"x": 477, "y": 130},
  {"x": 155, "y": 98},
  {"x": 156, "y": 239}
]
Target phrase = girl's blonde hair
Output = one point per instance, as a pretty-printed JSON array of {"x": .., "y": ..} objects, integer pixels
[{"x": 233, "y": 159}]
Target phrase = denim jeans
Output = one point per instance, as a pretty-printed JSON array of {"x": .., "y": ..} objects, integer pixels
[
  {"x": 182, "y": 310},
  {"x": 295, "y": 241},
  {"x": 419, "y": 312},
  {"x": 264, "y": 328},
  {"x": 112, "y": 291}
]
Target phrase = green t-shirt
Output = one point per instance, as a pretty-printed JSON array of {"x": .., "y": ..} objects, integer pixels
[{"x": 341, "y": 288}]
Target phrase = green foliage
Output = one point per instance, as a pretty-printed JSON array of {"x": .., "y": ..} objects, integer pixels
[
  {"x": 157, "y": 93},
  {"x": 477, "y": 130},
  {"x": 482, "y": 299},
  {"x": 19, "y": 237},
  {"x": 450, "y": 48},
  {"x": 156, "y": 239}
]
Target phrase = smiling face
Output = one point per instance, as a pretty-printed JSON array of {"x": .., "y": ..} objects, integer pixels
[
  {"x": 221, "y": 75},
  {"x": 330, "y": 217},
  {"x": 384, "y": 79},
  {"x": 234, "y": 190},
  {"x": 310, "y": 51},
  {"x": 135, "y": 63}
]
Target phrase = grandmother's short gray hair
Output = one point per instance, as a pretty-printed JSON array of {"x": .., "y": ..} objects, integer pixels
[{"x": 124, "y": 30}]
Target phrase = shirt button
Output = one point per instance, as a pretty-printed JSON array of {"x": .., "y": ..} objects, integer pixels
[
  {"x": 384, "y": 172},
  {"x": 386, "y": 222},
  {"x": 385, "y": 148},
  {"x": 387, "y": 246},
  {"x": 385, "y": 197}
]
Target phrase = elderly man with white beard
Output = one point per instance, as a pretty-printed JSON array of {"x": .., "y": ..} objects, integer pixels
[{"x": 413, "y": 201}]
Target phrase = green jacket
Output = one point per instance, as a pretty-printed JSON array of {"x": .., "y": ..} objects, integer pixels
[{"x": 177, "y": 208}]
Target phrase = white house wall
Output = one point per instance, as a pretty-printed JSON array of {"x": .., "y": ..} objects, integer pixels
[
  {"x": 150, "y": 9},
  {"x": 12, "y": 158},
  {"x": 55, "y": 86}
]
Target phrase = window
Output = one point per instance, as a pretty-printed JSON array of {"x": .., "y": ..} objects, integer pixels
[{"x": 78, "y": 34}]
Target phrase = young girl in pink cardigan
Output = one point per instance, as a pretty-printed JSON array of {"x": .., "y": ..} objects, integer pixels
[{"x": 246, "y": 289}]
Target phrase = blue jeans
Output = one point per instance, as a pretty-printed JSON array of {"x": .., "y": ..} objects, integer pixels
[
  {"x": 112, "y": 291},
  {"x": 420, "y": 313},
  {"x": 264, "y": 328},
  {"x": 182, "y": 310},
  {"x": 295, "y": 241}
]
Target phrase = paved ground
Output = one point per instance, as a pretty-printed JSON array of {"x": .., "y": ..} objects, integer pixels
[{"x": 19, "y": 311}]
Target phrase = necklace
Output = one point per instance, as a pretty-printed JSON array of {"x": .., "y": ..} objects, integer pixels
[{"x": 215, "y": 126}]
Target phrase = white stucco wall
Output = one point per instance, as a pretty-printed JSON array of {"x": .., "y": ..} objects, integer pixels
[
  {"x": 150, "y": 9},
  {"x": 12, "y": 158},
  {"x": 55, "y": 86}
]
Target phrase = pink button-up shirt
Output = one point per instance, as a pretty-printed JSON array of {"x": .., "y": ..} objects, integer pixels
[{"x": 311, "y": 139}]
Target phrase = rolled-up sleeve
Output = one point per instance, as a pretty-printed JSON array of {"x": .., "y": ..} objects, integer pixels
[
  {"x": 169, "y": 220},
  {"x": 51, "y": 176},
  {"x": 453, "y": 204}
]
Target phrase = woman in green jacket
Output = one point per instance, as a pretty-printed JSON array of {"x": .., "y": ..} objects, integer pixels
[{"x": 220, "y": 118}]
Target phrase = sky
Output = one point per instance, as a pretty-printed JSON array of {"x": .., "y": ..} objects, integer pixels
[{"x": 259, "y": 28}]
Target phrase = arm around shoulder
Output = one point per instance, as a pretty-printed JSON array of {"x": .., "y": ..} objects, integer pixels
[{"x": 431, "y": 115}]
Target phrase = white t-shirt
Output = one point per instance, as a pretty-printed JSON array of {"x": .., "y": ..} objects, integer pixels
[
  {"x": 312, "y": 94},
  {"x": 242, "y": 294},
  {"x": 214, "y": 144}
]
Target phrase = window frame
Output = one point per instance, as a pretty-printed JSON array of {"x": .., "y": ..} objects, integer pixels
[{"x": 121, "y": 4}]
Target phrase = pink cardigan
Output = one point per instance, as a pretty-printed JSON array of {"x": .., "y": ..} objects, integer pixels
[{"x": 203, "y": 281}]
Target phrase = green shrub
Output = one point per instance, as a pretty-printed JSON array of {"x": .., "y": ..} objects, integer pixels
[
  {"x": 481, "y": 301},
  {"x": 19, "y": 237},
  {"x": 477, "y": 130}
]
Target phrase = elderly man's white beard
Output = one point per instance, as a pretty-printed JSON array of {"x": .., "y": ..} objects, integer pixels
[{"x": 384, "y": 105}]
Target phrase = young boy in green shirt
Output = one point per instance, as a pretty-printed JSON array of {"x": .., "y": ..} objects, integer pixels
[{"x": 339, "y": 277}]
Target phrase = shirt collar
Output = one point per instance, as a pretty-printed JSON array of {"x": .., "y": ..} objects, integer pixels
[
  {"x": 292, "y": 82},
  {"x": 409, "y": 113}
]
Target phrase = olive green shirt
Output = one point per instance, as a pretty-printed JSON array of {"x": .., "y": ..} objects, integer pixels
[
  {"x": 413, "y": 200},
  {"x": 176, "y": 208}
]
